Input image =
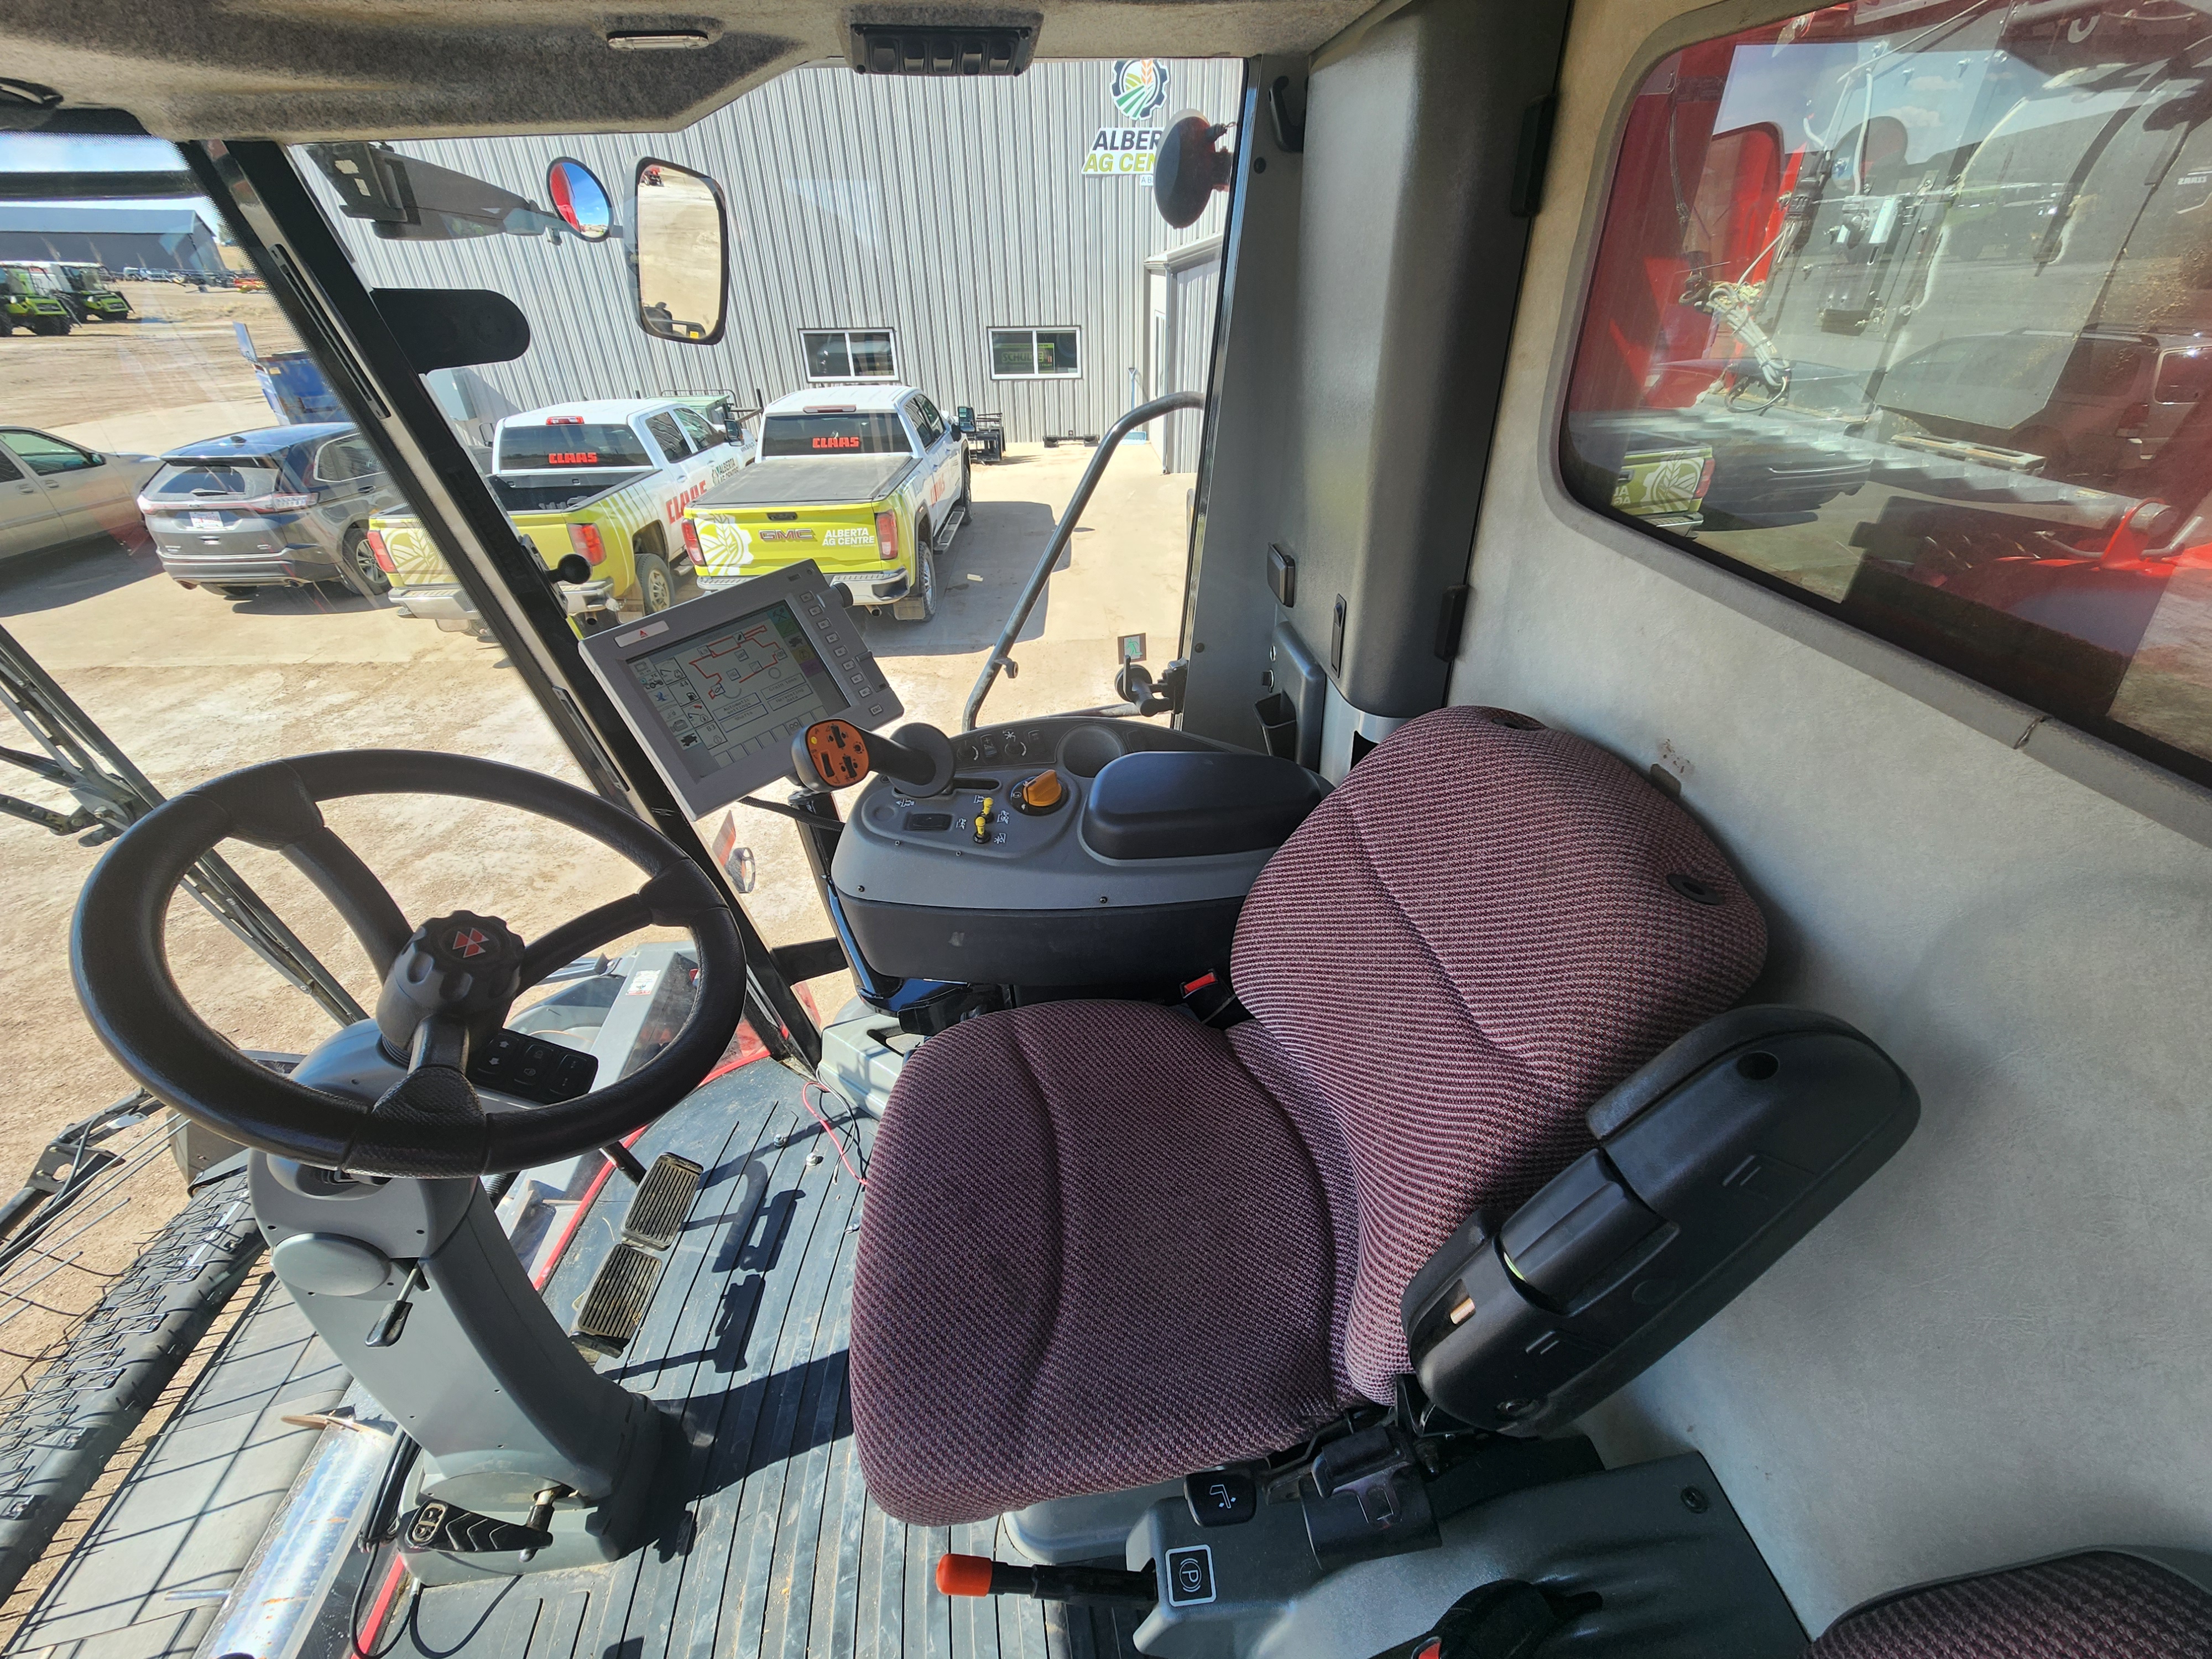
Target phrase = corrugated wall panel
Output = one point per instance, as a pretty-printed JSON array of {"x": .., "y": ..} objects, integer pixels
[
  {"x": 1189, "y": 357},
  {"x": 937, "y": 209}
]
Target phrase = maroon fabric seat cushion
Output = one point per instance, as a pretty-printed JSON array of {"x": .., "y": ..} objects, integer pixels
[
  {"x": 1094, "y": 1253},
  {"x": 1464, "y": 946},
  {"x": 2102, "y": 1605}
]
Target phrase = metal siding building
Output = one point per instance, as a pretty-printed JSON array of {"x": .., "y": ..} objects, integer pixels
[
  {"x": 936, "y": 209},
  {"x": 166, "y": 236}
]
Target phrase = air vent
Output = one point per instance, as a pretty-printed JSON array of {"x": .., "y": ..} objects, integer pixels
[{"x": 936, "y": 50}]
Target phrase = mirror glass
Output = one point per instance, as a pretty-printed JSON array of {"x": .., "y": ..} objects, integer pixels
[
  {"x": 580, "y": 198},
  {"x": 683, "y": 253}
]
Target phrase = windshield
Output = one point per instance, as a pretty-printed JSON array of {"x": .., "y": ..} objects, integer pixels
[
  {"x": 801, "y": 250},
  {"x": 569, "y": 444},
  {"x": 834, "y": 434}
]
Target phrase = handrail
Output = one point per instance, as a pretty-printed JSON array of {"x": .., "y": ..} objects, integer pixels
[{"x": 1034, "y": 587}]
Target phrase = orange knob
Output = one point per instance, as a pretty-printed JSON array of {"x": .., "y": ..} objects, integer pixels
[{"x": 1042, "y": 793}]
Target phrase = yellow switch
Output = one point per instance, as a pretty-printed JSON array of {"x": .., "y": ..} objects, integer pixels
[{"x": 983, "y": 820}]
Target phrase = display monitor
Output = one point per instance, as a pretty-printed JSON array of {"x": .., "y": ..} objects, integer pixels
[{"x": 718, "y": 687}]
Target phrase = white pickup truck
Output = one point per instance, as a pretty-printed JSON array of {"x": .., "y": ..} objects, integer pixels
[
  {"x": 871, "y": 483},
  {"x": 607, "y": 479}
]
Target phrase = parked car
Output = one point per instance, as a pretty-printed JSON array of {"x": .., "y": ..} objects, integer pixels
[
  {"x": 53, "y": 492},
  {"x": 608, "y": 480},
  {"x": 869, "y": 482},
  {"x": 286, "y": 505}
]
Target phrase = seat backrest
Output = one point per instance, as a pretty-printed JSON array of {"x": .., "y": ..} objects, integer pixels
[
  {"x": 2100, "y": 1604},
  {"x": 1487, "y": 925}
]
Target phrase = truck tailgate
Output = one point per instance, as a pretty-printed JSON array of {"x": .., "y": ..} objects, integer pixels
[{"x": 416, "y": 561}]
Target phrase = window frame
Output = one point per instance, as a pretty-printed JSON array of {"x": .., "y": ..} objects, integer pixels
[
  {"x": 2172, "y": 787},
  {"x": 890, "y": 337},
  {"x": 991, "y": 350},
  {"x": 356, "y": 442}
]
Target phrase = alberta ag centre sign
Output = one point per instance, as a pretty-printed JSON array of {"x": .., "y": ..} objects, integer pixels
[{"x": 1138, "y": 88}]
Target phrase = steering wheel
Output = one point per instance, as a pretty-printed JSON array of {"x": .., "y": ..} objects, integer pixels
[{"x": 447, "y": 985}]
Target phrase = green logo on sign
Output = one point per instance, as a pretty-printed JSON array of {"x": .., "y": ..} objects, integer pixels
[{"x": 1140, "y": 87}]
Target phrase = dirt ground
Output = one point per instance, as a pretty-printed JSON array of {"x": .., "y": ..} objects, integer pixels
[{"x": 193, "y": 685}]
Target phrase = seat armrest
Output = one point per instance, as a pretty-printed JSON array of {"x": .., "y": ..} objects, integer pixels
[{"x": 1712, "y": 1161}]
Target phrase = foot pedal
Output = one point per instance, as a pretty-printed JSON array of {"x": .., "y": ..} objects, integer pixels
[
  {"x": 457, "y": 1531},
  {"x": 615, "y": 1305},
  {"x": 662, "y": 1203}
]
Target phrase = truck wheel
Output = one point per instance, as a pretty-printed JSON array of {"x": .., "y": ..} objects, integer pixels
[
  {"x": 656, "y": 586},
  {"x": 359, "y": 567},
  {"x": 921, "y": 606}
]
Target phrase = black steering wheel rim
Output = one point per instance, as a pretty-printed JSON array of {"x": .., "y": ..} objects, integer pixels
[{"x": 120, "y": 960}]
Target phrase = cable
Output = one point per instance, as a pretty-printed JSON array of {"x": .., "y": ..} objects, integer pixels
[{"x": 806, "y": 1100}]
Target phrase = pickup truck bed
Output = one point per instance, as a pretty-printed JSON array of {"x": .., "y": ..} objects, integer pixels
[
  {"x": 519, "y": 497},
  {"x": 809, "y": 480}
]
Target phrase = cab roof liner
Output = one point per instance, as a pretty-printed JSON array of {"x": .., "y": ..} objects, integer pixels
[{"x": 359, "y": 68}]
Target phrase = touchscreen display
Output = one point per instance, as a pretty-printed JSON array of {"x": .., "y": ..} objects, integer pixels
[{"x": 731, "y": 691}]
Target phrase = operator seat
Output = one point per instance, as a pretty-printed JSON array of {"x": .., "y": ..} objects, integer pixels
[
  {"x": 1104, "y": 1245},
  {"x": 2096, "y": 1604}
]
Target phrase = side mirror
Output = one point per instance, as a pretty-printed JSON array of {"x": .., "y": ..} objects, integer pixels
[
  {"x": 580, "y": 198},
  {"x": 682, "y": 260}
]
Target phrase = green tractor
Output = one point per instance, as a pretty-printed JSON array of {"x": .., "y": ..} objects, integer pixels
[
  {"x": 89, "y": 292},
  {"x": 27, "y": 300}
]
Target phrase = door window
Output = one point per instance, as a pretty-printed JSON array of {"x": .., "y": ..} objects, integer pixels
[
  {"x": 673, "y": 445},
  {"x": 10, "y": 472},
  {"x": 1906, "y": 319},
  {"x": 702, "y": 435},
  {"x": 46, "y": 454},
  {"x": 928, "y": 421}
]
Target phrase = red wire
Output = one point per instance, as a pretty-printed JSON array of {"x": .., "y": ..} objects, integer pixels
[{"x": 805, "y": 1099}]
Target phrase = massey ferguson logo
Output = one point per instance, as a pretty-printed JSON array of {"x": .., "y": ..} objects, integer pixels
[{"x": 470, "y": 942}]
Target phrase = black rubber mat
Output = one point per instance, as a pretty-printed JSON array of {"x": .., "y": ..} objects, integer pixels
[{"x": 767, "y": 1543}]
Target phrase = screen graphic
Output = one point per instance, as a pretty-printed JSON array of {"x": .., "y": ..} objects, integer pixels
[{"x": 735, "y": 690}]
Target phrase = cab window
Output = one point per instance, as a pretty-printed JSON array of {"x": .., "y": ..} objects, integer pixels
[
  {"x": 1908, "y": 322},
  {"x": 666, "y": 433},
  {"x": 834, "y": 434},
  {"x": 928, "y": 421},
  {"x": 559, "y": 446}
]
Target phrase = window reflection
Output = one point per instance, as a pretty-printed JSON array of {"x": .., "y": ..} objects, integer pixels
[{"x": 1909, "y": 307}]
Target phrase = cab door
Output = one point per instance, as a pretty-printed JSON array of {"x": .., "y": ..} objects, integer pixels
[
  {"x": 29, "y": 521},
  {"x": 941, "y": 447}
]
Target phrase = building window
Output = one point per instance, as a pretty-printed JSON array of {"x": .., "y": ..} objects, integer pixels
[
  {"x": 1899, "y": 320},
  {"x": 848, "y": 354},
  {"x": 1034, "y": 353}
]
